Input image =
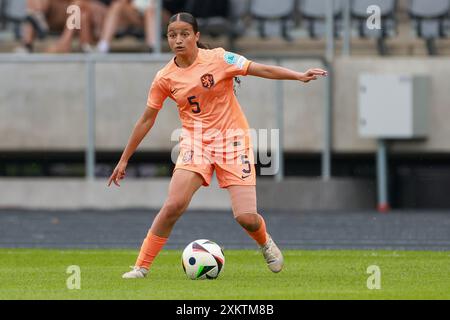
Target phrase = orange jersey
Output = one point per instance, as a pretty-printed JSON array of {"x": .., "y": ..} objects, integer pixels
[{"x": 204, "y": 94}]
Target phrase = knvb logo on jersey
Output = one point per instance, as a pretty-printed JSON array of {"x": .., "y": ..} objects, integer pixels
[{"x": 207, "y": 80}]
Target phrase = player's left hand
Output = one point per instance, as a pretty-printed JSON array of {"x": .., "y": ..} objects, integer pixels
[{"x": 312, "y": 74}]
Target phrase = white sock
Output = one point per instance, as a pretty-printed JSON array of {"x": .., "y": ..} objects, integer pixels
[{"x": 103, "y": 46}]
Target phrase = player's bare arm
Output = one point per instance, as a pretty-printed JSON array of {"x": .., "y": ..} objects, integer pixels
[
  {"x": 141, "y": 128},
  {"x": 280, "y": 73}
]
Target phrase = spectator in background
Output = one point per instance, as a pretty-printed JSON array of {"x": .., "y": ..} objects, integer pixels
[
  {"x": 93, "y": 14},
  {"x": 125, "y": 15},
  {"x": 42, "y": 16},
  {"x": 51, "y": 15}
]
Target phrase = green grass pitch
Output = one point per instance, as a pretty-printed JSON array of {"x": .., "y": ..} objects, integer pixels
[{"x": 42, "y": 274}]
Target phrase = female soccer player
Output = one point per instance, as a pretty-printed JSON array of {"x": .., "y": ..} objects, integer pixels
[{"x": 215, "y": 136}]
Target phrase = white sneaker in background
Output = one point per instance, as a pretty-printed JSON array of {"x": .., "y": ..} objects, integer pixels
[
  {"x": 22, "y": 50},
  {"x": 102, "y": 47}
]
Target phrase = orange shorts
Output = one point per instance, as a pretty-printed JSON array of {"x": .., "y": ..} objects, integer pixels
[{"x": 233, "y": 169}]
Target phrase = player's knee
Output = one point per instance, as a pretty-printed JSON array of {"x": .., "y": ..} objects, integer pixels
[
  {"x": 249, "y": 221},
  {"x": 173, "y": 208}
]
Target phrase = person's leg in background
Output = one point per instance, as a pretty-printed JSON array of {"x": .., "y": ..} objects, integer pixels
[
  {"x": 149, "y": 21},
  {"x": 243, "y": 203},
  {"x": 182, "y": 187},
  {"x": 111, "y": 23},
  {"x": 121, "y": 14},
  {"x": 57, "y": 14},
  {"x": 98, "y": 15},
  {"x": 36, "y": 10},
  {"x": 64, "y": 43},
  {"x": 92, "y": 14}
]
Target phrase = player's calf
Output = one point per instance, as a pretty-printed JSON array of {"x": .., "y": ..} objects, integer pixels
[
  {"x": 250, "y": 222},
  {"x": 255, "y": 226}
]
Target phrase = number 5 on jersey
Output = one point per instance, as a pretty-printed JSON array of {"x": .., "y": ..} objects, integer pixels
[{"x": 195, "y": 105}]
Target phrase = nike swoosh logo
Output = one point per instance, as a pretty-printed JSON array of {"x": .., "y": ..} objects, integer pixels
[{"x": 243, "y": 177}]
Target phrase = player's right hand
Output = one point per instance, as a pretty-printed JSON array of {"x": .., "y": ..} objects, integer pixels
[{"x": 118, "y": 173}]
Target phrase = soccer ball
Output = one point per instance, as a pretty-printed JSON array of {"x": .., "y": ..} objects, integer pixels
[{"x": 202, "y": 259}]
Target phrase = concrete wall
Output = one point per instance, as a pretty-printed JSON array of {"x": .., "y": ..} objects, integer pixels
[
  {"x": 42, "y": 105},
  {"x": 346, "y": 104}
]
